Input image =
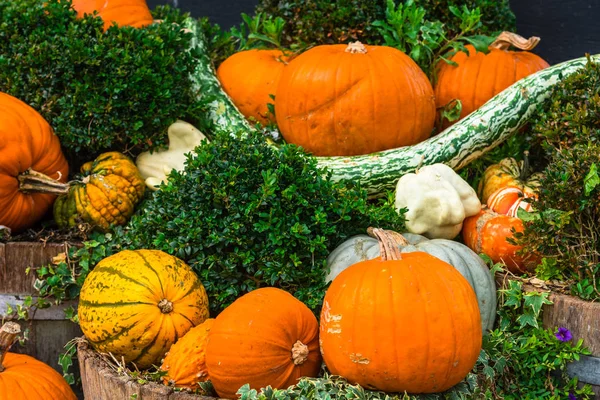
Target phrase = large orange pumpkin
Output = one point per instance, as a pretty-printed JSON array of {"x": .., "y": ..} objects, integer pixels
[
  {"x": 250, "y": 78},
  {"x": 265, "y": 338},
  {"x": 338, "y": 100},
  {"x": 479, "y": 77},
  {"x": 487, "y": 233},
  {"x": 124, "y": 12},
  {"x": 27, "y": 145},
  {"x": 401, "y": 322},
  {"x": 23, "y": 377}
]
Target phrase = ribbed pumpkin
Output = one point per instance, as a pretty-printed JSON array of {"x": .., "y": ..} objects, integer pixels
[
  {"x": 508, "y": 200},
  {"x": 478, "y": 77},
  {"x": 403, "y": 322},
  {"x": 249, "y": 78},
  {"x": 341, "y": 100},
  {"x": 508, "y": 172},
  {"x": 124, "y": 12},
  {"x": 185, "y": 363},
  {"x": 136, "y": 304},
  {"x": 27, "y": 144},
  {"x": 23, "y": 377},
  {"x": 488, "y": 232},
  {"x": 469, "y": 264},
  {"x": 265, "y": 338}
]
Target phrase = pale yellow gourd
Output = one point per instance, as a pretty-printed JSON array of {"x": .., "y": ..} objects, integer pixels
[{"x": 156, "y": 166}]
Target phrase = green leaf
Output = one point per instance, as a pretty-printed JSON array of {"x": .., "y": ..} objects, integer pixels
[
  {"x": 591, "y": 180},
  {"x": 536, "y": 300}
]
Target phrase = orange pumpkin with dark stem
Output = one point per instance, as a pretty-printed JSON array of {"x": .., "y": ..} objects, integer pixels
[
  {"x": 23, "y": 377},
  {"x": 508, "y": 201},
  {"x": 401, "y": 322},
  {"x": 265, "y": 338},
  {"x": 487, "y": 233},
  {"x": 342, "y": 100},
  {"x": 250, "y": 78},
  {"x": 479, "y": 77},
  {"x": 28, "y": 144},
  {"x": 124, "y": 12}
]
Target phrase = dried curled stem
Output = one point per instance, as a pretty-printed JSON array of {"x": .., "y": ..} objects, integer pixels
[{"x": 507, "y": 39}]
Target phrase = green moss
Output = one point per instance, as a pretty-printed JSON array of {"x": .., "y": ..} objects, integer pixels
[{"x": 118, "y": 90}]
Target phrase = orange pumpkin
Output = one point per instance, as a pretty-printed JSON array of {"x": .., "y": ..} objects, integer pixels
[
  {"x": 401, "y": 322},
  {"x": 479, "y": 77},
  {"x": 265, "y": 338},
  {"x": 185, "y": 363},
  {"x": 509, "y": 200},
  {"x": 124, "y": 12},
  {"x": 28, "y": 145},
  {"x": 487, "y": 233},
  {"x": 23, "y": 377},
  {"x": 338, "y": 100},
  {"x": 250, "y": 78}
]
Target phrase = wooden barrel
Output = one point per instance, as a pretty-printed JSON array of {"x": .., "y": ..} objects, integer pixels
[
  {"x": 49, "y": 331},
  {"x": 100, "y": 381}
]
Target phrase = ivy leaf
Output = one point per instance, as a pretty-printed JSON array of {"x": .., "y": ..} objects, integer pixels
[
  {"x": 536, "y": 300},
  {"x": 591, "y": 180},
  {"x": 527, "y": 318}
]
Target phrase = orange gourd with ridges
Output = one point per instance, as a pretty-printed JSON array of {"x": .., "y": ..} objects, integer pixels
[
  {"x": 339, "y": 100},
  {"x": 124, "y": 12},
  {"x": 249, "y": 78},
  {"x": 509, "y": 200},
  {"x": 27, "y": 142},
  {"x": 401, "y": 322},
  {"x": 479, "y": 77}
]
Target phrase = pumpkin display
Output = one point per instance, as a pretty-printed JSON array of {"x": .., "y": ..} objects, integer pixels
[
  {"x": 124, "y": 12},
  {"x": 363, "y": 247},
  {"x": 508, "y": 172},
  {"x": 250, "y": 78},
  {"x": 416, "y": 307},
  {"x": 339, "y": 100},
  {"x": 136, "y": 304},
  {"x": 487, "y": 233},
  {"x": 185, "y": 362},
  {"x": 265, "y": 338},
  {"x": 28, "y": 146},
  {"x": 23, "y": 377},
  {"x": 509, "y": 200},
  {"x": 155, "y": 166},
  {"x": 476, "y": 77},
  {"x": 438, "y": 200}
]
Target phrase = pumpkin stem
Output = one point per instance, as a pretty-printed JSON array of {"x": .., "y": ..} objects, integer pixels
[
  {"x": 389, "y": 243},
  {"x": 507, "y": 39},
  {"x": 32, "y": 181},
  {"x": 299, "y": 353},
  {"x": 525, "y": 169},
  {"x": 165, "y": 306},
  {"x": 8, "y": 336},
  {"x": 356, "y": 47}
]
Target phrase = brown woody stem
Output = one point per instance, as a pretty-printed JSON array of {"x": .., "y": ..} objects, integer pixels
[
  {"x": 8, "y": 336},
  {"x": 299, "y": 353},
  {"x": 32, "y": 181},
  {"x": 507, "y": 39},
  {"x": 356, "y": 47},
  {"x": 389, "y": 243},
  {"x": 165, "y": 306}
]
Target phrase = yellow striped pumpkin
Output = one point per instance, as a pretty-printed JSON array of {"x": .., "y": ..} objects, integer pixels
[{"x": 136, "y": 304}]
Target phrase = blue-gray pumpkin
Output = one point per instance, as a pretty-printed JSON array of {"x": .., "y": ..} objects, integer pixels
[{"x": 468, "y": 263}]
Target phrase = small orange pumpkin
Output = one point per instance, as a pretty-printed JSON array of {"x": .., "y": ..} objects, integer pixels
[
  {"x": 250, "y": 78},
  {"x": 23, "y": 377},
  {"x": 401, "y": 322},
  {"x": 185, "y": 363},
  {"x": 124, "y": 12},
  {"x": 265, "y": 338},
  {"x": 509, "y": 172},
  {"x": 479, "y": 77},
  {"x": 343, "y": 100},
  {"x": 487, "y": 233},
  {"x": 509, "y": 200},
  {"x": 28, "y": 144}
]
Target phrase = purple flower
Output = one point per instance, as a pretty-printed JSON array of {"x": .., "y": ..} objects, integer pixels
[
  {"x": 564, "y": 335},
  {"x": 571, "y": 395}
]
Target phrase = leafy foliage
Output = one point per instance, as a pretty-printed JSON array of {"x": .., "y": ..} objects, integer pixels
[
  {"x": 118, "y": 90},
  {"x": 246, "y": 215},
  {"x": 566, "y": 230}
]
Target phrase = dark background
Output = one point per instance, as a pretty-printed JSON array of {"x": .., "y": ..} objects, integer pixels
[{"x": 568, "y": 28}]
